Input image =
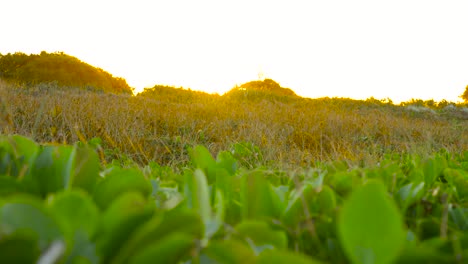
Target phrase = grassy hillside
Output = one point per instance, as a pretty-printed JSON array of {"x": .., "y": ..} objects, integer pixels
[
  {"x": 160, "y": 123},
  {"x": 258, "y": 175},
  {"x": 58, "y": 68}
]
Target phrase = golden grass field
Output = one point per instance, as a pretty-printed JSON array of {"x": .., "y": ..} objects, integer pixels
[{"x": 289, "y": 131}]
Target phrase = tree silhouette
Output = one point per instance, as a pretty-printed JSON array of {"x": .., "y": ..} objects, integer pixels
[
  {"x": 268, "y": 86},
  {"x": 258, "y": 90},
  {"x": 464, "y": 96}
]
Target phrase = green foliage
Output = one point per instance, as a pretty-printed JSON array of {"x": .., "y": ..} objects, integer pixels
[
  {"x": 120, "y": 220},
  {"x": 198, "y": 198},
  {"x": 228, "y": 251},
  {"x": 247, "y": 153},
  {"x": 257, "y": 197},
  {"x": 298, "y": 209},
  {"x": 119, "y": 181},
  {"x": 26, "y": 215},
  {"x": 58, "y": 68},
  {"x": 77, "y": 211},
  {"x": 21, "y": 248},
  {"x": 170, "y": 249},
  {"x": 57, "y": 202},
  {"x": 278, "y": 257},
  {"x": 79, "y": 220},
  {"x": 261, "y": 236},
  {"x": 370, "y": 226},
  {"x": 17, "y": 155},
  {"x": 157, "y": 229},
  {"x": 284, "y": 179},
  {"x": 48, "y": 175}
]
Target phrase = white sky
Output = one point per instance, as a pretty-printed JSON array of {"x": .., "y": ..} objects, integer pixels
[{"x": 399, "y": 49}]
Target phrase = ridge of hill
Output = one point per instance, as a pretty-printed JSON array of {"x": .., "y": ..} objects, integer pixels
[
  {"x": 253, "y": 91},
  {"x": 174, "y": 94},
  {"x": 266, "y": 85},
  {"x": 160, "y": 127},
  {"x": 60, "y": 69}
]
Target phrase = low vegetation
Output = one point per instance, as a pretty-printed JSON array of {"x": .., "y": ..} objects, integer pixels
[
  {"x": 60, "y": 204},
  {"x": 161, "y": 123}
]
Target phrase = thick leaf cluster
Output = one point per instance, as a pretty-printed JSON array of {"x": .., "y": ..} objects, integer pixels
[{"x": 58, "y": 204}]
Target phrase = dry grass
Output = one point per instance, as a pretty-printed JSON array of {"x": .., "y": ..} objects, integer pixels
[{"x": 290, "y": 133}]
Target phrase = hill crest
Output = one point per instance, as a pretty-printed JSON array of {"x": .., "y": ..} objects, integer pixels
[{"x": 59, "y": 68}]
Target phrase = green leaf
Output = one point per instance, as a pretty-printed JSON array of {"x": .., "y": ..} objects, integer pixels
[
  {"x": 19, "y": 248},
  {"x": 278, "y": 198},
  {"x": 370, "y": 226},
  {"x": 76, "y": 212},
  {"x": 459, "y": 180},
  {"x": 409, "y": 194},
  {"x": 326, "y": 200},
  {"x": 299, "y": 205},
  {"x": 196, "y": 189},
  {"x": 24, "y": 147},
  {"x": 17, "y": 155},
  {"x": 433, "y": 168},
  {"x": 217, "y": 219},
  {"x": 119, "y": 181},
  {"x": 49, "y": 172},
  {"x": 342, "y": 182},
  {"x": 202, "y": 159},
  {"x": 459, "y": 217},
  {"x": 160, "y": 226},
  {"x": 256, "y": 197},
  {"x": 261, "y": 234},
  {"x": 424, "y": 254},
  {"x": 59, "y": 167},
  {"x": 228, "y": 252},
  {"x": 227, "y": 184},
  {"x": 428, "y": 228},
  {"x": 170, "y": 249},
  {"x": 9, "y": 186},
  {"x": 416, "y": 175},
  {"x": 26, "y": 214},
  {"x": 84, "y": 250},
  {"x": 123, "y": 217},
  {"x": 281, "y": 256},
  {"x": 84, "y": 168},
  {"x": 226, "y": 161}
]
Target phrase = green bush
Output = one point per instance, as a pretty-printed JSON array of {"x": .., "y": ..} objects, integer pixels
[{"x": 59, "y": 204}]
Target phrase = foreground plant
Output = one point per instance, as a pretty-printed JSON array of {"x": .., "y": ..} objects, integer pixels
[{"x": 59, "y": 204}]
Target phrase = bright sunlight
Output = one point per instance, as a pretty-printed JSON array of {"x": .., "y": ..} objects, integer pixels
[
  {"x": 358, "y": 49},
  {"x": 243, "y": 167}
]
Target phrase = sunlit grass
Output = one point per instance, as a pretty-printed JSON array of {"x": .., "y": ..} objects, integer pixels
[{"x": 288, "y": 131}]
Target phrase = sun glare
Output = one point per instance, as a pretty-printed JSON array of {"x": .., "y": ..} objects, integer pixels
[{"x": 357, "y": 50}]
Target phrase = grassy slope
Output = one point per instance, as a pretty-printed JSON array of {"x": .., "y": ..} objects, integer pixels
[
  {"x": 60, "y": 69},
  {"x": 290, "y": 132}
]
